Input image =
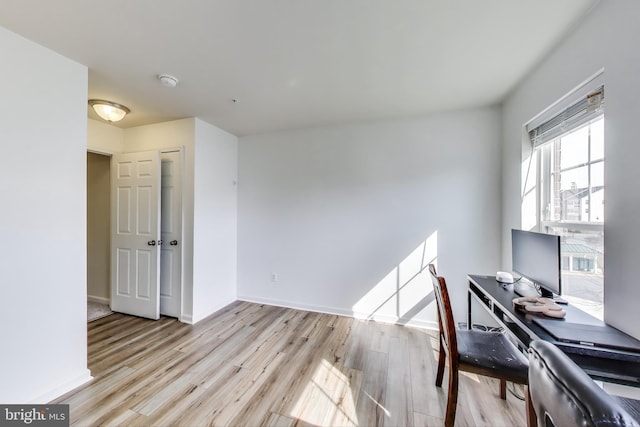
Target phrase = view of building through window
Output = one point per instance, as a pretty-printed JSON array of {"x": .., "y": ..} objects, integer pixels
[{"x": 572, "y": 206}]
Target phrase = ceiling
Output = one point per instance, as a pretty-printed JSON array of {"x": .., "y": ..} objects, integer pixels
[{"x": 296, "y": 63}]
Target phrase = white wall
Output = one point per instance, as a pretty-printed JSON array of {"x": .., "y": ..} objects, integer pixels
[
  {"x": 346, "y": 215},
  {"x": 104, "y": 138},
  {"x": 215, "y": 219},
  {"x": 42, "y": 184},
  {"x": 606, "y": 38}
]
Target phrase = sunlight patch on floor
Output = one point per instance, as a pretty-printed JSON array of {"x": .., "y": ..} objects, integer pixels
[
  {"x": 327, "y": 398},
  {"x": 378, "y": 404}
]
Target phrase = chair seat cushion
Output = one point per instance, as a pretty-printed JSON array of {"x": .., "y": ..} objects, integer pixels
[{"x": 481, "y": 351}]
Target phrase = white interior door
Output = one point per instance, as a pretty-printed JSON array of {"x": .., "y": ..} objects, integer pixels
[
  {"x": 135, "y": 231},
  {"x": 171, "y": 229}
]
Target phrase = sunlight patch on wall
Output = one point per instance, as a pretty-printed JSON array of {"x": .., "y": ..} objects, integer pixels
[
  {"x": 328, "y": 397},
  {"x": 405, "y": 290}
]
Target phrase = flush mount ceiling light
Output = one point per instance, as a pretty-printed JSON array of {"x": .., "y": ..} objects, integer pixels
[{"x": 109, "y": 111}]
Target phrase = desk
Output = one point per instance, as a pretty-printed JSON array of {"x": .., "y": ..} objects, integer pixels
[{"x": 617, "y": 366}]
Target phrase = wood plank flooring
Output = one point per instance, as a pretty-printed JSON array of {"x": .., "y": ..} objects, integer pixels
[{"x": 257, "y": 365}]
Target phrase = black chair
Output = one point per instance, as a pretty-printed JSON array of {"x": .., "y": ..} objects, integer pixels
[
  {"x": 480, "y": 352},
  {"x": 562, "y": 394}
]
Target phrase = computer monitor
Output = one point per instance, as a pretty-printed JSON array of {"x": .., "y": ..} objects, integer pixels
[{"x": 536, "y": 256}]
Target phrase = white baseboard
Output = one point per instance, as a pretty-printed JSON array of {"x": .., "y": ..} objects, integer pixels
[
  {"x": 414, "y": 323},
  {"x": 341, "y": 312},
  {"x": 297, "y": 306},
  {"x": 195, "y": 318},
  {"x": 99, "y": 300},
  {"x": 47, "y": 397},
  {"x": 186, "y": 318}
]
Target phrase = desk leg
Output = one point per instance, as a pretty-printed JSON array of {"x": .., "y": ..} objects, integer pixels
[{"x": 469, "y": 324}]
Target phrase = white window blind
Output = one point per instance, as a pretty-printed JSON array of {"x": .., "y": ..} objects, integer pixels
[
  {"x": 581, "y": 105},
  {"x": 584, "y": 110}
]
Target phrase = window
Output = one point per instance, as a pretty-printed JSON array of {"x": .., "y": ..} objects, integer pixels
[
  {"x": 569, "y": 196},
  {"x": 572, "y": 206}
]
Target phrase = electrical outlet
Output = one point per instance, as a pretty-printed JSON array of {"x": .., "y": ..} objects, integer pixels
[{"x": 274, "y": 276}]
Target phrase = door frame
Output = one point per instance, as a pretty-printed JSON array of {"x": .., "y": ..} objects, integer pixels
[{"x": 182, "y": 318}]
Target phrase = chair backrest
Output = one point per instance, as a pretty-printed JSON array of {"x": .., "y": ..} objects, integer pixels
[
  {"x": 446, "y": 323},
  {"x": 562, "y": 394}
]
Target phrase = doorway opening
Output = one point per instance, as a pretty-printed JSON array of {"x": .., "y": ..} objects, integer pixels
[
  {"x": 98, "y": 234},
  {"x": 99, "y": 228}
]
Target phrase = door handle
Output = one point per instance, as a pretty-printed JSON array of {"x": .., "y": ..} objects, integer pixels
[
  {"x": 151, "y": 243},
  {"x": 173, "y": 242}
]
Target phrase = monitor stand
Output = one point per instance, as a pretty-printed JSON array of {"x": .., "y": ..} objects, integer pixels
[{"x": 525, "y": 290}]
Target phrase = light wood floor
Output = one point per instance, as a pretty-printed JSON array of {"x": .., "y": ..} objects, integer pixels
[{"x": 257, "y": 365}]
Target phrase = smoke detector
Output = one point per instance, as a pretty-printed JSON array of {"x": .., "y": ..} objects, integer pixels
[{"x": 167, "y": 80}]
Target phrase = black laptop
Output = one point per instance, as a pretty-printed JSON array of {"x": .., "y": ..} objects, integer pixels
[{"x": 597, "y": 335}]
